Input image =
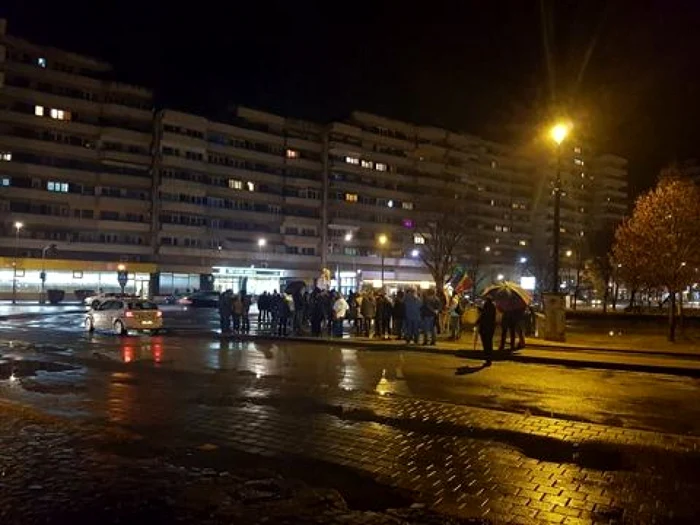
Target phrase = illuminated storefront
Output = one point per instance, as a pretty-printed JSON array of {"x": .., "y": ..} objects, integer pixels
[
  {"x": 69, "y": 276},
  {"x": 254, "y": 280}
]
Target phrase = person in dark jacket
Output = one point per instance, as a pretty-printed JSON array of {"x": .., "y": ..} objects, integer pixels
[
  {"x": 487, "y": 327},
  {"x": 316, "y": 312},
  {"x": 429, "y": 312},
  {"x": 398, "y": 314},
  {"x": 412, "y": 307},
  {"x": 225, "y": 311},
  {"x": 245, "y": 318},
  {"x": 383, "y": 323},
  {"x": 369, "y": 311}
]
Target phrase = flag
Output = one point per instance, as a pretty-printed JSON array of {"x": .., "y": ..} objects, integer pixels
[{"x": 464, "y": 284}]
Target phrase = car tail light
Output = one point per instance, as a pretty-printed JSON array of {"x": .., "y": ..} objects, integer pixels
[
  {"x": 159, "y": 314},
  {"x": 129, "y": 314}
]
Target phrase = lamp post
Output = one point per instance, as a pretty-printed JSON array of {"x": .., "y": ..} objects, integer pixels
[
  {"x": 42, "y": 275},
  {"x": 383, "y": 239},
  {"x": 18, "y": 227},
  {"x": 347, "y": 239},
  {"x": 558, "y": 133}
]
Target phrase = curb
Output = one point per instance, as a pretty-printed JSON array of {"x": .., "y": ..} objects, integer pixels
[{"x": 608, "y": 350}]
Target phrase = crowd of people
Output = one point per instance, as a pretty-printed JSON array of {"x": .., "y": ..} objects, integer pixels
[{"x": 409, "y": 315}]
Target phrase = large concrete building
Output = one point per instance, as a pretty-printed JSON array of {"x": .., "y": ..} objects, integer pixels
[
  {"x": 184, "y": 202},
  {"x": 75, "y": 156}
]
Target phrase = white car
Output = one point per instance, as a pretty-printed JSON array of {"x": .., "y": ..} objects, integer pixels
[
  {"x": 94, "y": 300},
  {"x": 123, "y": 314}
]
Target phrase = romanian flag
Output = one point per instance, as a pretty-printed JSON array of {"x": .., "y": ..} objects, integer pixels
[{"x": 464, "y": 284}]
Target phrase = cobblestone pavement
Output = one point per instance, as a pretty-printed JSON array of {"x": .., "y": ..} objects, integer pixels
[{"x": 458, "y": 460}]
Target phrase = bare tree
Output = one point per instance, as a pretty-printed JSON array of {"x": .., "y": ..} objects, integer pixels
[{"x": 444, "y": 237}]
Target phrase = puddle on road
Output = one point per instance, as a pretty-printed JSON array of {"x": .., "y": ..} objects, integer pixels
[{"x": 27, "y": 368}]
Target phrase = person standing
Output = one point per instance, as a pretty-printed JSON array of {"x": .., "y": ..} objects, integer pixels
[
  {"x": 245, "y": 318},
  {"x": 340, "y": 310},
  {"x": 486, "y": 325},
  {"x": 225, "y": 308},
  {"x": 369, "y": 311},
  {"x": 398, "y": 313},
  {"x": 316, "y": 315},
  {"x": 455, "y": 313},
  {"x": 508, "y": 324},
  {"x": 237, "y": 308},
  {"x": 429, "y": 311},
  {"x": 412, "y": 308}
]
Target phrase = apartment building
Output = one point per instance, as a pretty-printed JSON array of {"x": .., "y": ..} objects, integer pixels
[
  {"x": 74, "y": 170},
  {"x": 238, "y": 202},
  {"x": 388, "y": 178},
  {"x": 254, "y": 200}
]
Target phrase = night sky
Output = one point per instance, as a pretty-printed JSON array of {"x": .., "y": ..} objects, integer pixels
[{"x": 625, "y": 71}]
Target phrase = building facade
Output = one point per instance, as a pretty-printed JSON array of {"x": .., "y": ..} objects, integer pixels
[
  {"x": 96, "y": 178},
  {"x": 75, "y": 156}
]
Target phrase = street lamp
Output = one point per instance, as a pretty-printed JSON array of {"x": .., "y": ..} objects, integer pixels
[
  {"x": 415, "y": 253},
  {"x": 348, "y": 237},
  {"x": 42, "y": 275},
  {"x": 558, "y": 133},
  {"x": 383, "y": 239},
  {"x": 18, "y": 227}
]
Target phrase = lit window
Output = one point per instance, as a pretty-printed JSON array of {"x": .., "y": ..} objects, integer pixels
[
  {"x": 61, "y": 187},
  {"x": 498, "y": 228},
  {"x": 235, "y": 184},
  {"x": 583, "y": 175},
  {"x": 351, "y": 197},
  {"x": 497, "y": 240},
  {"x": 493, "y": 202},
  {"x": 367, "y": 164},
  {"x": 578, "y": 162},
  {"x": 506, "y": 229},
  {"x": 522, "y": 242},
  {"x": 39, "y": 111},
  {"x": 487, "y": 249},
  {"x": 59, "y": 114},
  {"x": 418, "y": 239},
  {"x": 407, "y": 205},
  {"x": 5, "y": 155},
  {"x": 250, "y": 186},
  {"x": 562, "y": 230},
  {"x": 352, "y": 160},
  {"x": 380, "y": 167},
  {"x": 577, "y": 150},
  {"x": 41, "y": 62},
  {"x": 494, "y": 164},
  {"x": 582, "y": 210},
  {"x": 5, "y": 181},
  {"x": 292, "y": 154},
  {"x": 581, "y": 233}
]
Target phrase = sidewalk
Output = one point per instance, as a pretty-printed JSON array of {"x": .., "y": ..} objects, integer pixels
[{"x": 683, "y": 363}]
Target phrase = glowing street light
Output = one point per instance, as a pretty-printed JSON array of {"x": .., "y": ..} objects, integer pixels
[
  {"x": 262, "y": 242},
  {"x": 523, "y": 260},
  {"x": 415, "y": 253},
  {"x": 382, "y": 239},
  {"x": 569, "y": 253},
  {"x": 500, "y": 277},
  {"x": 348, "y": 237},
  {"x": 559, "y": 132}
]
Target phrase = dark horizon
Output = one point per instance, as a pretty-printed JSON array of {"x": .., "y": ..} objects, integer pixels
[{"x": 623, "y": 71}]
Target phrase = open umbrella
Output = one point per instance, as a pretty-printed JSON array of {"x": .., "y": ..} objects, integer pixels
[
  {"x": 294, "y": 287},
  {"x": 508, "y": 296}
]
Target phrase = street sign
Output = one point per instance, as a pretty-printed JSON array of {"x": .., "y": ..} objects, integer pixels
[{"x": 122, "y": 277}]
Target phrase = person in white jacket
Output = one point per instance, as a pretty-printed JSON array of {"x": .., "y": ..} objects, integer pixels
[{"x": 340, "y": 310}]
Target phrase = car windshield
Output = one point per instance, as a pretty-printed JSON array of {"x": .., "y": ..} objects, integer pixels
[{"x": 143, "y": 305}]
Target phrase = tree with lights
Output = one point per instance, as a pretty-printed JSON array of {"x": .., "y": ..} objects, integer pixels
[{"x": 661, "y": 240}]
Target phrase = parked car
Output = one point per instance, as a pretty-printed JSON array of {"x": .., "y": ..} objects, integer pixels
[
  {"x": 200, "y": 300},
  {"x": 122, "y": 314},
  {"x": 94, "y": 300}
]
